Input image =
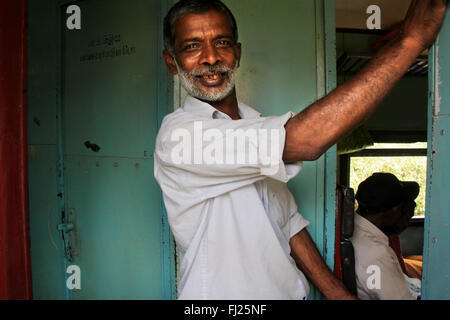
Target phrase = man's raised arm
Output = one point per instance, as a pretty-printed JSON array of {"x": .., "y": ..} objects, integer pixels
[{"x": 324, "y": 123}]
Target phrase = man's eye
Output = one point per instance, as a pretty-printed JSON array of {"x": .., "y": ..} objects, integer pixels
[
  {"x": 191, "y": 46},
  {"x": 223, "y": 43}
]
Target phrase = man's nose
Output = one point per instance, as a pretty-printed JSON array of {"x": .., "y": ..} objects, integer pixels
[{"x": 209, "y": 55}]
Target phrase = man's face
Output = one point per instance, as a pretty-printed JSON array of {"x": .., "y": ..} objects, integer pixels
[
  {"x": 390, "y": 220},
  {"x": 206, "y": 56},
  {"x": 408, "y": 209},
  {"x": 397, "y": 219}
]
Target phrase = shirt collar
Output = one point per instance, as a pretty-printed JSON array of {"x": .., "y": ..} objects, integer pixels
[
  {"x": 199, "y": 108},
  {"x": 369, "y": 227}
]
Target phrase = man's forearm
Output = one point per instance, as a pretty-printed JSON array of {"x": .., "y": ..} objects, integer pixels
[
  {"x": 325, "y": 122},
  {"x": 308, "y": 259},
  {"x": 314, "y": 130}
]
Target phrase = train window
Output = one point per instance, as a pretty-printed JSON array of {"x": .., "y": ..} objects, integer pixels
[{"x": 407, "y": 161}]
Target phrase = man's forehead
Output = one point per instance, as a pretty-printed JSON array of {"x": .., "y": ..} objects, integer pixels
[{"x": 197, "y": 24}]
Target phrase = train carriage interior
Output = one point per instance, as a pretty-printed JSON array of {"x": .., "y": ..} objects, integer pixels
[
  {"x": 394, "y": 139},
  {"x": 95, "y": 100}
]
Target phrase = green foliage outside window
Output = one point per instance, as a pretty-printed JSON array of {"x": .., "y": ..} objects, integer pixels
[{"x": 405, "y": 168}]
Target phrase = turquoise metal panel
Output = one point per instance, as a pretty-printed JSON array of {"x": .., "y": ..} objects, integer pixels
[
  {"x": 67, "y": 258},
  {"x": 110, "y": 82},
  {"x": 319, "y": 235},
  {"x": 46, "y": 247},
  {"x": 114, "y": 205},
  {"x": 331, "y": 155},
  {"x": 436, "y": 272},
  {"x": 110, "y": 101},
  {"x": 278, "y": 66},
  {"x": 117, "y": 103}
]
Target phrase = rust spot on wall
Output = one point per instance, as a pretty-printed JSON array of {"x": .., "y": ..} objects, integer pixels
[
  {"x": 37, "y": 121},
  {"x": 92, "y": 146}
]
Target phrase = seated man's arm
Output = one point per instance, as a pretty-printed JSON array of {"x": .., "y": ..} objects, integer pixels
[
  {"x": 321, "y": 125},
  {"x": 308, "y": 259},
  {"x": 393, "y": 285}
]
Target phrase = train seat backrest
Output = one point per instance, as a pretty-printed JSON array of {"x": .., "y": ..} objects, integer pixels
[{"x": 347, "y": 254}]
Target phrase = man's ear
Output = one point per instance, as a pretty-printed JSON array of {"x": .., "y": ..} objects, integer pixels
[{"x": 170, "y": 62}]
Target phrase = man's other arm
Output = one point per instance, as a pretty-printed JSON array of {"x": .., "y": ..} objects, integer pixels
[
  {"x": 309, "y": 261},
  {"x": 324, "y": 123}
]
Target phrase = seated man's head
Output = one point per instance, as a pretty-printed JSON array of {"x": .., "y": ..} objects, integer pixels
[
  {"x": 200, "y": 38},
  {"x": 387, "y": 202}
]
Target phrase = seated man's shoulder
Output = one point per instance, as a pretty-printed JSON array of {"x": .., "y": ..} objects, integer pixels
[{"x": 371, "y": 248}]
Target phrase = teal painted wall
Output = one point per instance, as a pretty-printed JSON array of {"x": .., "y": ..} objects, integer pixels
[
  {"x": 120, "y": 240},
  {"x": 436, "y": 273}
]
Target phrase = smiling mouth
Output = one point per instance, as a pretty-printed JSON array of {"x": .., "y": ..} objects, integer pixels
[
  {"x": 213, "y": 76},
  {"x": 212, "y": 79}
]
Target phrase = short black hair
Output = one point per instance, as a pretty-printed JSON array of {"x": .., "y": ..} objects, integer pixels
[{"x": 184, "y": 7}]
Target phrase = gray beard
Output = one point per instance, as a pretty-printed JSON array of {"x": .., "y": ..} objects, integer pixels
[{"x": 187, "y": 81}]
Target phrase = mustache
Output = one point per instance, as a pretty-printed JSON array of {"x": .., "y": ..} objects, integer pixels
[{"x": 209, "y": 70}]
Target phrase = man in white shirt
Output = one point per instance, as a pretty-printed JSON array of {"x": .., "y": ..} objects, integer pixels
[
  {"x": 234, "y": 220},
  {"x": 384, "y": 207}
]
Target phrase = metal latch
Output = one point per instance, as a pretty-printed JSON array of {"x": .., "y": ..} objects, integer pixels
[{"x": 66, "y": 227}]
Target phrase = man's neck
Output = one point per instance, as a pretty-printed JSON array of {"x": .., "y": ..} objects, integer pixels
[
  {"x": 229, "y": 106},
  {"x": 378, "y": 221}
]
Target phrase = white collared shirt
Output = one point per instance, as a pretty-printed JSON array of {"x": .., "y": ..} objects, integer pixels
[
  {"x": 375, "y": 258},
  {"x": 232, "y": 222}
]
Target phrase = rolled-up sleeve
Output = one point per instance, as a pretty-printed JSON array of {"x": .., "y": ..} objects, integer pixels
[{"x": 216, "y": 156}]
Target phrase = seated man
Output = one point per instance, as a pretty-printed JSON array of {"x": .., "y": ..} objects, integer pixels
[
  {"x": 411, "y": 265},
  {"x": 385, "y": 206}
]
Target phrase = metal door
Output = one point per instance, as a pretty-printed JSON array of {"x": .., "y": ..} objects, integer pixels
[
  {"x": 110, "y": 96},
  {"x": 436, "y": 272}
]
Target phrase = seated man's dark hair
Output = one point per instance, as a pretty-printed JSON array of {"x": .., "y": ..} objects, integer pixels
[{"x": 184, "y": 7}]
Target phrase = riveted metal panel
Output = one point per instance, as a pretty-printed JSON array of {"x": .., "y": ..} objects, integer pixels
[
  {"x": 101, "y": 125},
  {"x": 113, "y": 204},
  {"x": 436, "y": 272},
  {"x": 110, "y": 120}
]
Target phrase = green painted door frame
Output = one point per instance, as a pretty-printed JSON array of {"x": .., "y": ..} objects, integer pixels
[
  {"x": 327, "y": 164},
  {"x": 436, "y": 257}
]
